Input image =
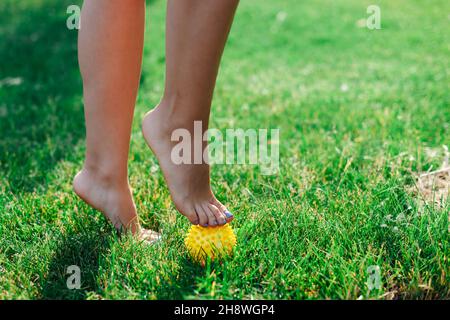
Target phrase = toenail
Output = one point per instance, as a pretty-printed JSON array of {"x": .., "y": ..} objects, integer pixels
[
  {"x": 228, "y": 214},
  {"x": 214, "y": 223},
  {"x": 205, "y": 225}
]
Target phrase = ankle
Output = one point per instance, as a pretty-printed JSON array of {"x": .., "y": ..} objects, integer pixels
[
  {"x": 181, "y": 113},
  {"x": 106, "y": 177}
]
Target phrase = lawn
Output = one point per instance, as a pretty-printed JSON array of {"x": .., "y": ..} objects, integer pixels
[{"x": 361, "y": 113}]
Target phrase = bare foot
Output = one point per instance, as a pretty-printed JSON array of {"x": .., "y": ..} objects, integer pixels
[
  {"x": 189, "y": 184},
  {"x": 114, "y": 200}
]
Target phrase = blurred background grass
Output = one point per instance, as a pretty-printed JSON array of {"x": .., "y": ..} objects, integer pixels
[{"x": 360, "y": 113}]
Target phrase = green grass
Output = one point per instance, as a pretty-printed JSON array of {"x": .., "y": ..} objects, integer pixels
[{"x": 348, "y": 158}]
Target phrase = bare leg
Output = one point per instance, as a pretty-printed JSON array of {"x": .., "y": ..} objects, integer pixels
[
  {"x": 110, "y": 53},
  {"x": 196, "y": 34}
]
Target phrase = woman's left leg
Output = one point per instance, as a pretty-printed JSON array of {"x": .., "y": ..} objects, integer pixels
[{"x": 110, "y": 53}]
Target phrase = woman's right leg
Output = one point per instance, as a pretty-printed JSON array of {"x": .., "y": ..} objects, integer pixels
[
  {"x": 110, "y": 55},
  {"x": 196, "y": 34}
]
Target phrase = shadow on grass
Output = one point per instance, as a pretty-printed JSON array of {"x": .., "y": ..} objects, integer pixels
[
  {"x": 41, "y": 113},
  {"x": 179, "y": 285},
  {"x": 82, "y": 250},
  {"x": 187, "y": 281}
]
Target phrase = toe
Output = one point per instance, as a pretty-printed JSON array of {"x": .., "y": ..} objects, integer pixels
[
  {"x": 192, "y": 216},
  {"x": 202, "y": 216},
  {"x": 212, "y": 221},
  {"x": 228, "y": 215},
  {"x": 220, "y": 217}
]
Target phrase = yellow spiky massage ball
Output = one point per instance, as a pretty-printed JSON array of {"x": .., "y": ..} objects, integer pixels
[{"x": 210, "y": 242}]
